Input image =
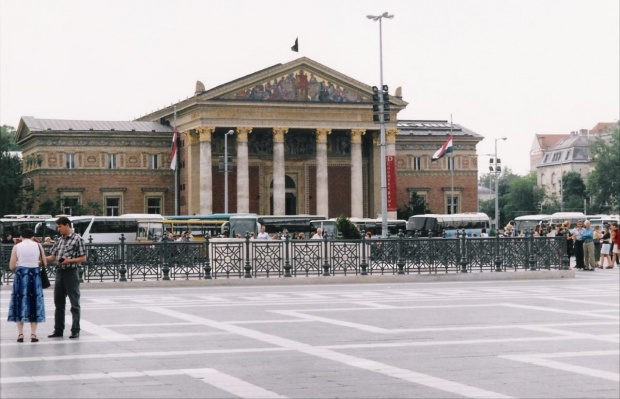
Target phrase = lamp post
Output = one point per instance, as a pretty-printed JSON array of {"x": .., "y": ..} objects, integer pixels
[
  {"x": 496, "y": 167},
  {"x": 226, "y": 169},
  {"x": 384, "y": 229}
]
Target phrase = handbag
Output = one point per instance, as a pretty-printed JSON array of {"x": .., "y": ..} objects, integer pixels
[{"x": 45, "y": 281}]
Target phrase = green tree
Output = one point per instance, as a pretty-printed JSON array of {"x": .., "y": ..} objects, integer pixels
[
  {"x": 604, "y": 180},
  {"x": 417, "y": 206},
  {"x": 523, "y": 197},
  {"x": 346, "y": 228},
  {"x": 11, "y": 176},
  {"x": 573, "y": 192}
]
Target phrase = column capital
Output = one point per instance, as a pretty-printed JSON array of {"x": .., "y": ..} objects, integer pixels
[
  {"x": 191, "y": 136},
  {"x": 278, "y": 134},
  {"x": 242, "y": 133},
  {"x": 321, "y": 135},
  {"x": 390, "y": 135},
  {"x": 205, "y": 132},
  {"x": 356, "y": 135}
]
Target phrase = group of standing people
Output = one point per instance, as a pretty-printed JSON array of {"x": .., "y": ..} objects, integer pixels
[
  {"x": 27, "y": 301},
  {"x": 584, "y": 240}
]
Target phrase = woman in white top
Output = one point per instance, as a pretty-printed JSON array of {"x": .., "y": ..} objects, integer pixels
[{"x": 27, "y": 303}]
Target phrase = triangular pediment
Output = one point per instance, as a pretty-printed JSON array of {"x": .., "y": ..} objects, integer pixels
[{"x": 301, "y": 80}]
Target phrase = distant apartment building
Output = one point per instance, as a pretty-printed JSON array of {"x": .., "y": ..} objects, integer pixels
[{"x": 554, "y": 155}]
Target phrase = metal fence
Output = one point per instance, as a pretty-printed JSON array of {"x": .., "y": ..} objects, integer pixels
[{"x": 245, "y": 258}]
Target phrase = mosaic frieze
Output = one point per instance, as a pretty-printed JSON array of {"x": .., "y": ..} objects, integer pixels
[{"x": 298, "y": 86}]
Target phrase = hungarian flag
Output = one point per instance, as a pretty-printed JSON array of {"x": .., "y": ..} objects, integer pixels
[
  {"x": 446, "y": 148},
  {"x": 173, "y": 160}
]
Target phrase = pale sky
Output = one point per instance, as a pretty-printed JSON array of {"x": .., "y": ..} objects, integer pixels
[{"x": 509, "y": 68}]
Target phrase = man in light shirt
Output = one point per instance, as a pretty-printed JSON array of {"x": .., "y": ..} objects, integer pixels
[
  {"x": 318, "y": 235},
  {"x": 263, "y": 235}
]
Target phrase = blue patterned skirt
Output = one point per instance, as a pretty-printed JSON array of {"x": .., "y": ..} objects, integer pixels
[{"x": 27, "y": 303}]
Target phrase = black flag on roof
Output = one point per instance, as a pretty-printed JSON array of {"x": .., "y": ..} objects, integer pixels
[{"x": 295, "y": 47}]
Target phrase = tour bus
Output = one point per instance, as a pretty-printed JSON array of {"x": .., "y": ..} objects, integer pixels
[
  {"x": 102, "y": 229},
  {"x": 13, "y": 225},
  {"x": 374, "y": 226},
  {"x": 199, "y": 229},
  {"x": 571, "y": 217},
  {"x": 600, "y": 220},
  {"x": 472, "y": 223},
  {"x": 530, "y": 222},
  {"x": 273, "y": 224}
]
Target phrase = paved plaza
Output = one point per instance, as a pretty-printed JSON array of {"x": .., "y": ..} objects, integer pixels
[{"x": 476, "y": 339}]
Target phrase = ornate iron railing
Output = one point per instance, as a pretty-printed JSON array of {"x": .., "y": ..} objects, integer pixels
[{"x": 245, "y": 258}]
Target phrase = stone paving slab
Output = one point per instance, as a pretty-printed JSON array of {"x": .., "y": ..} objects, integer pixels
[{"x": 523, "y": 338}]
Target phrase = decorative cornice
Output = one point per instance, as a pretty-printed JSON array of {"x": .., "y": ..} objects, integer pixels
[
  {"x": 356, "y": 135},
  {"x": 321, "y": 135},
  {"x": 278, "y": 134},
  {"x": 114, "y": 189},
  {"x": 242, "y": 134}
]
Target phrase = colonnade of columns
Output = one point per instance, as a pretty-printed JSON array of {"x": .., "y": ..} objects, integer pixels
[{"x": 204, "y": 134}]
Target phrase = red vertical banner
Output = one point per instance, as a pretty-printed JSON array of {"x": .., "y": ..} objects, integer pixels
[{"x": 390, "y": 166}]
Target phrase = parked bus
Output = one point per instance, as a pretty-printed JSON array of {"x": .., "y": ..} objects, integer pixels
[
  {"x": 600, "y": 220},
  {"x": 472, "y": 223},
  {"x": 374, "y": 226},
  {"x": 273, "y": 224},
  {"x": 102, "y": 229},
  {"x": 530, "y": 222},
  {"x": 155, "y": 230},
  {"x": 13, "y": 225},
  {"x": 571, "y": 217}
]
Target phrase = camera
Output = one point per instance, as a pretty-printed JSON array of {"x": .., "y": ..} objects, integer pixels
[{"x": 61, "y": 260}]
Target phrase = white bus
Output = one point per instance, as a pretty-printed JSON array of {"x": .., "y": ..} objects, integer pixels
[
  {"x": 374, "y": 226},
  {"x": 13, "y": 225},
  {"x": 571, "y": 217},
  {"x": 530, "y": 222},
  {"x": 472, "y": 223},
  {"x": 102, "y": 229}
]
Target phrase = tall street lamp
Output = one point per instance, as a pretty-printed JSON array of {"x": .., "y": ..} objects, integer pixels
[
  {"x": 496, "y": 168},
  {"x": 230, "y": 132},
  {"x": 384, "y": 230}
]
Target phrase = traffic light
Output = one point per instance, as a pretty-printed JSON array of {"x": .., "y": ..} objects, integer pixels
[
  {"x": 375, "y": 104},
  {"x": 386, "y": 104}
]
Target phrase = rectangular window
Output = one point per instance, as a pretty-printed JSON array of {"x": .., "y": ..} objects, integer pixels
[
  {"x": 153, "y": 205},
  {"x": 450, "y": 163},
  {"x": 417, "y": 163},
  {"x": 153, "y": 162},
  {"x": 557, "y": 156},
  {"x": 452, "y": 207},
  {"x": 70, "y": 161},
  {"x": 567, "y": 155},
  {"x": 112, "y": 206},
  {"x": 111, "y": 161},
  {"x": 69, "y": 204}
]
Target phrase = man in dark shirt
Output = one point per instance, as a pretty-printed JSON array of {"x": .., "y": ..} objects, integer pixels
[{"x": 70, "y": 252}]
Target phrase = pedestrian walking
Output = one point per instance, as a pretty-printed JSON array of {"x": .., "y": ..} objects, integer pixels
[
  {"x": 69, "y": 251},
  {"x": 616, "y": 244},
  {"x": 27, "y": 304},
  {"x": 605, "y": 248}
]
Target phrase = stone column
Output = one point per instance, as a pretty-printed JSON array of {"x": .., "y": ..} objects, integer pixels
[
  {"x": 279, "y": 197},
  {"x": 243, "y": 175},
  {"x": 206, "y": 174},
  {"x": 192, "y": 165},
  {"x": 390, "y": 142},
  {"x": 357, "y": 183},
  {"x": 322, "y": 191}
]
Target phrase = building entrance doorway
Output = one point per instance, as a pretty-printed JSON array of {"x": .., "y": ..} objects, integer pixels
[{"x": 290, "y": 196}]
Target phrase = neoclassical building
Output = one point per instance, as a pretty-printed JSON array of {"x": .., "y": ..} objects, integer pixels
[{"x": 301, "y": 140}]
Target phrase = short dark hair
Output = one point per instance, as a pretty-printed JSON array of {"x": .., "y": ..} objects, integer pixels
[
  {"x": 63, "y": 220},
  {"x": 27, "y": 232}
]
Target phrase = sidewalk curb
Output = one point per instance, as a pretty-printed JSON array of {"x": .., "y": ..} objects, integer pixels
[{"x": 320, "y": 280}]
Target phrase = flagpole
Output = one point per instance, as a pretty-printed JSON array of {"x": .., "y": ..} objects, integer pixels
[
  {"x": 451, "y": 171},
  {"x": 176, "y": 168}
]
